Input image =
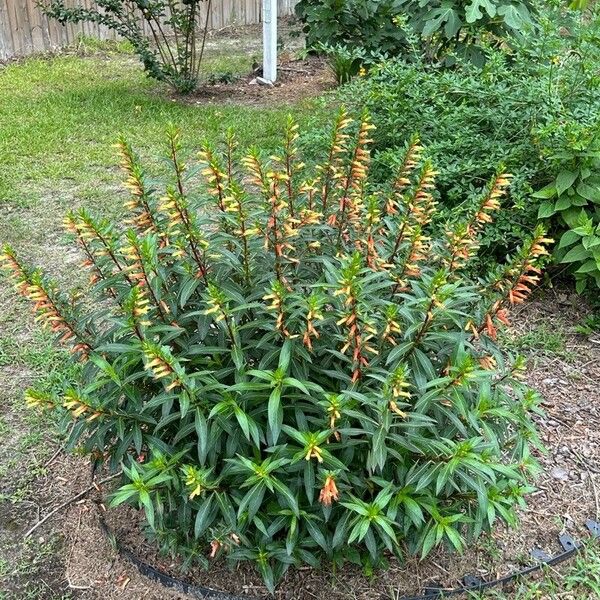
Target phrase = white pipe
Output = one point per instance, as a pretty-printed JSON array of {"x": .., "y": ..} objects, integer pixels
[{"x": 270, "y": 40}]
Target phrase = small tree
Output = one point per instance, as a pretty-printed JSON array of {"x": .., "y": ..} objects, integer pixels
[
  {"x": 285, "y": 364},
  {"x": 169, "y": 52}
]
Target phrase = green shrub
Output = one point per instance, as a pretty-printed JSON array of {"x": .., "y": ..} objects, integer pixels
[
  {"x": 345, "y": 62},
  {"x": 445, "y": 29},
  {"x": 453, "y": 28},
  {"x": 169, "y": 52},
  {"x": 365, "y": 24},
  {"x": 514, "y": 111},
  {"x": 287, "y": 366},
  {"x": 573, "y": 199}
]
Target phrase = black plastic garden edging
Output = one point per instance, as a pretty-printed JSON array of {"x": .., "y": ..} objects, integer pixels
[
  {"x": 161, "y": 577},
  {"x": 471, "y": 583}
]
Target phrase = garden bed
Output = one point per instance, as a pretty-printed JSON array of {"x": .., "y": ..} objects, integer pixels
[{"x": 565, "y": 369}]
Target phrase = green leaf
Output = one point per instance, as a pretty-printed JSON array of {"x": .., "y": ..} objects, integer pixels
[
  {"x": 148, "y": 507},
  {"x": 546, "y": 192},
  {"x": 428, "y": 541},
  {"x": 565, "y": 180},
  {"x": 589, "y": 192},
  {"x": 516, "y": 16},
  {"x": 287, "y": 494},
  {"x": 285, "y": 354},
  {"x": 545, "y": 210},
  {"x": 204, "y": 516},
  {"x": 454, "y": 537},
  {"x": 275, "y": 414},
  {"x": 577, "y": 254},
  {"x": 473, "y": 11},
  {"x": 568, "y": 238},
  {"x": 252, "y": 501},
  {"x": 187, "y": 289}
]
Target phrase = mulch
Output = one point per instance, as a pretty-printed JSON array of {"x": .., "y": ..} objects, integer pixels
[{"x": 297, "y": 79}]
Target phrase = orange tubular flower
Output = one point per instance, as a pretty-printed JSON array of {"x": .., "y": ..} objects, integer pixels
[
  {"x": 516, "y": 284},
  {"x": 34, "y": 288},
  {"x": 463, "y": 241},
  {"x": 329, "y": 492},
  {"x": 214, "y": 174},
  {"x": 402, "y": 179},
  {"x": 215, "y": 546},
  {"x": 142, "y": 217}
]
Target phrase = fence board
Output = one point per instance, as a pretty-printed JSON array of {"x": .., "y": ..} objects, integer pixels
[{"x": 24, "y": 29}]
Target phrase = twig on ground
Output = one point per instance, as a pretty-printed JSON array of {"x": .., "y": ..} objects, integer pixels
[
  {"x": 293, "y": 70},
  {"x": 94, "y": 486},
  {"x": 582, "y": 462},
  {"x": 53, "y": 457}
]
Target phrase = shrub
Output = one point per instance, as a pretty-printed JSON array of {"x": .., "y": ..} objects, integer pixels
[
  {"x": 169, "y": 52},
  {"x": 452, "y": 28},
  {"x": 573, "y": 199},
  {"x": 357, "y": 24},
  {"x": 444, "y": 29},
  {"x": 520, "y": 109},
  {"x": 285, "y": 364},
  {"x": 345, "y": 63}
]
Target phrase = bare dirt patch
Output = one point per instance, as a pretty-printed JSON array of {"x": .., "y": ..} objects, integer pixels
[{"x": 298, "y": 79}]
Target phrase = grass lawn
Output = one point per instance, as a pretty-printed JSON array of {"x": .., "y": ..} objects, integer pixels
[{"x": 59, "y": 118}]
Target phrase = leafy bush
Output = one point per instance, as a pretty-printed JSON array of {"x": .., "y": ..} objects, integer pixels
[
  {"x": 454, "y": 28},
  {"x": 345, "y": 63},
  {"x": 445, "y": 29},
  {"x": 574, "y": 197},
  {"x": 168, "y": 53},
  {"x": 518, "y": 110},
  {"x": 366, "y": 24},
  {"x": 287, "y": 366}
]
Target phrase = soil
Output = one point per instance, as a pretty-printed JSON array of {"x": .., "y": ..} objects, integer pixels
[
  {"x": 297, "y": 79},
  {"x": 567, "y": 495}
]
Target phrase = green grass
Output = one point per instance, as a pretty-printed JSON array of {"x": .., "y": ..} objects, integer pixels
[
  {"x": 60, "y": 117},
  {"x": 579, "y": 578},
  {"x": 541, "y": 339}
]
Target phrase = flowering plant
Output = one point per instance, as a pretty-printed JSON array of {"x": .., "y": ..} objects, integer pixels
[{"x": 287, "y": 366}]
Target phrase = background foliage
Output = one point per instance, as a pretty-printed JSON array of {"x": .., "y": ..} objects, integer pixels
[
  {"x": 445, "y": 28},
  {"x": 529, "y": 109}
]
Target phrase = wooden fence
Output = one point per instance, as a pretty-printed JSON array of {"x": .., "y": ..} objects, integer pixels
[{"x": 24, "y": 29}]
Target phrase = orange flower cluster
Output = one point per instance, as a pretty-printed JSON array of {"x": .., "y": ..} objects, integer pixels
[
  {"x": 276, "y": 298},
  {"x": 516, "y": 286},
  {"x": 463, "y": 241},
  {"x": 329, "y": 492},
  {"x": 351, "y": 184},
  {"x": 159, "y": 365},
  {"x": 37, "y": 399},
  {"x": 72, "y": 225},
  {"x": 314, "y": 451},
  {"x": 392, "y": 327},
  {"x": 142, "y": 217},
  {"x": 420, "y": 207},
  {"x": 37, "y": 291},
  {"x": 214, "y": 174},
  {"x": 331, "y": 170},
  {"x": 181, "y": 223},
  {"x": 81, "y": 406},
  {"x": 310, "y": 332},
  {"x": 402, "y": 180},
  {"x": 334, "y": 411},
  {"x": 359, "y": 333}
]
